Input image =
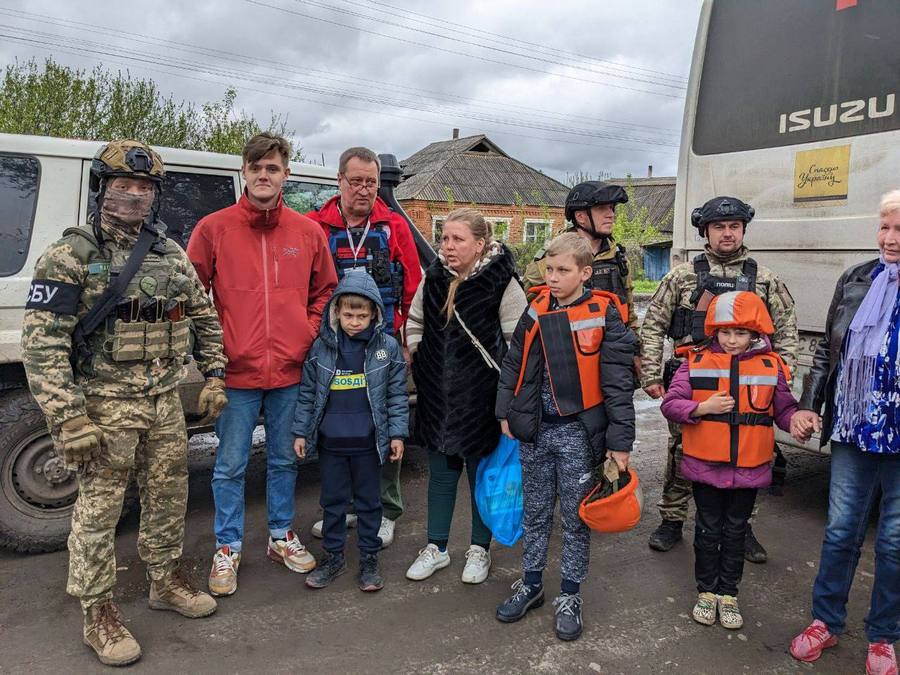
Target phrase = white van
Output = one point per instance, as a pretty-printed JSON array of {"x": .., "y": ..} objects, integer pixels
[{"x": 43, "y": 190}]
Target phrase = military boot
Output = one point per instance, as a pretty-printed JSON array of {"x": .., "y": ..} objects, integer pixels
[
  {"x": 174, "y": 592},
  {"x": 666, "y": 535},
  {"x": 105, "y": 633}
]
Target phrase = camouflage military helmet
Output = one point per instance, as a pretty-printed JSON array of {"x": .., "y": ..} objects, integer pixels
[{"x": 126, "y": 158}]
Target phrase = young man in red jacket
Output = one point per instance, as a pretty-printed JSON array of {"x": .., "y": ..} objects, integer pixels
[
  {"x": 271, "y": 275},
  {"x": 362, "y": 231}
]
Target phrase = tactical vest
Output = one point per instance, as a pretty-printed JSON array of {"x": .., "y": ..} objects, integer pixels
[
  {"x": 374, "y": 255},
  {"x": 571, "y": 339},
  {"x": 149, "y": 324},
  {"x": 745, "y": 436},
  {"x": 689, "y": 322},
  {"x": 609, "y": 275}
]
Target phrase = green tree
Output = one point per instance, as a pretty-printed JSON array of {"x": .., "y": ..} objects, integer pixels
[
  {"x": 634, "y": 229},
  {"x": 51, "y": 99}
]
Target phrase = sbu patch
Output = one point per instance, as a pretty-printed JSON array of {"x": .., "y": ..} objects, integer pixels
[{"x": 53, "y": 296}]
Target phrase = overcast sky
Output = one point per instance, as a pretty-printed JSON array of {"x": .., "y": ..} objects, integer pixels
[{"x": 566, "y": 86}]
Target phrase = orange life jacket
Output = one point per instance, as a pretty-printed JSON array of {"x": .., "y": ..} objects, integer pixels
[
  {"x": 744, "y": 437},
  {"x": 571, "y": 339}
]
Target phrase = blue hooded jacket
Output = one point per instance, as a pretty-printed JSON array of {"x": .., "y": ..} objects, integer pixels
[{"x": 385, "y": 371}]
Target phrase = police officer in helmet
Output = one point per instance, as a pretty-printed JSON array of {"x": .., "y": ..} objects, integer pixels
[
  {"x": 591, "y": 210},
  {"x": 677, "y": 311}
]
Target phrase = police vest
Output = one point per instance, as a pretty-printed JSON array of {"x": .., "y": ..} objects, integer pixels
[
  {"x": 690, "y": 321},
  {"x": 609, "y": 275},
  {"x": 571, "y": 338},
  {"x": 745, "y": 436},
  {"x": 374, "y": 256},
  {"x": 149, "y": 323}
]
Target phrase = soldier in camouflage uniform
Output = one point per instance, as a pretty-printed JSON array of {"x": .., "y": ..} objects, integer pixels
[
  {"x": 110, "y": 396},
  {"x": 591, "y": 208},
  {"x": 677, "y": 310}
]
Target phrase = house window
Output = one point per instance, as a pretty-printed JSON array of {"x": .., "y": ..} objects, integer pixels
[
  {"x": 537, "y": 230},
  {"x": 437, "y": 228},
  {"x": 500, "y": 228}
]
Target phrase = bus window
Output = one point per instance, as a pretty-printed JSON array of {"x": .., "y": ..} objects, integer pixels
[
  {"x": 304, "y": 197},
  {"x": 777, "y": 74}
]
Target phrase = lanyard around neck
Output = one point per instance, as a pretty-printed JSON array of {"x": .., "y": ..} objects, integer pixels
[{"x": 355, "y": 249}]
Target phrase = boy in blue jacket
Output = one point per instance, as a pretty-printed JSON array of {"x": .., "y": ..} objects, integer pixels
[{"x": 353, "y": 410}]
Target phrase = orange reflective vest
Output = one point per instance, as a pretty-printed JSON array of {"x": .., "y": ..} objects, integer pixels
[
  {"x": 571, "y": 339},
  {"x": 745, "y": 436}
]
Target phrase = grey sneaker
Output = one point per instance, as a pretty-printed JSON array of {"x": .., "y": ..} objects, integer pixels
[
  {"x": 330, "y": 568},
  {"x": 369, "y": 578},
  {"x": 568, "y": 616}
]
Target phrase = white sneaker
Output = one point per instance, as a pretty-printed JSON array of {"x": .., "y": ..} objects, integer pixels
[
  {"x": 319, "y": 524},
  {"x": 478, "y": 564},
  {"x": 430, "y": 560},
  {"x": 386, "y": 532}
]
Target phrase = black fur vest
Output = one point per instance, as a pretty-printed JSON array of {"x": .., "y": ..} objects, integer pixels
[{"x": 456, "y": 388}]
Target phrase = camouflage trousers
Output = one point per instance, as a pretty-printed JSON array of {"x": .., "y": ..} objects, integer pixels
[
  {"x": 677, "y": 490},
  {"x": 147, "y": 437}
]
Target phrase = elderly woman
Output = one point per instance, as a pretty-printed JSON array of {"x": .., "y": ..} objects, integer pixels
[
  {"x": 856, "y": 376},
  {"x": 460, "y": 323}
]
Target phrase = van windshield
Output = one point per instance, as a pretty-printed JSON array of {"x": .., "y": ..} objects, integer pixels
[{"x": 783, "y": 73}]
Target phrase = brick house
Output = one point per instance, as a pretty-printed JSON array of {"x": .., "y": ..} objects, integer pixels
[{"x": 520, "y": 202}]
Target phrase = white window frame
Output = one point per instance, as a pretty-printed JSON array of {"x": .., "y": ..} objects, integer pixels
[
  {"x": 493, "y": 220},
  {"x": 548, "y": 229}
]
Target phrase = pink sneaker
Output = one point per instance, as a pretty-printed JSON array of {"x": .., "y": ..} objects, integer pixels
[
  {"x": 881, "y": 659},
  {"x": 809, "y": 644}
]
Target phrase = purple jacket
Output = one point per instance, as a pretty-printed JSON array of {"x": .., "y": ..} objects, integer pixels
[{"x": 677, "y": 406}]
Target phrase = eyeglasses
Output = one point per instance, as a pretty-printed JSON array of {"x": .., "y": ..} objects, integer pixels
[{"x": 360, "y": 183}]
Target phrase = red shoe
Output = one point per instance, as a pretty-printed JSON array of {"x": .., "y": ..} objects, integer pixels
[
  {"x": 809, "y": 644},
  {"x": 881, "y": 659}
]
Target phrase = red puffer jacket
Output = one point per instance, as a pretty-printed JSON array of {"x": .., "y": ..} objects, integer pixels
[
  {"x": 400, "y": 242},
  {"x": 271, "y": 274}
]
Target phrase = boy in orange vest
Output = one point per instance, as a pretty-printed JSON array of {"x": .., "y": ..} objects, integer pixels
[
  {"x": 569, "y": 413},
  {"x": 727, "y": 394}
]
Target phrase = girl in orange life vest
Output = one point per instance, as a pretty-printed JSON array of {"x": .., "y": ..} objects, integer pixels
[
  {"x": 566, "y": 393},
  {"x": 727, "y": 394}
]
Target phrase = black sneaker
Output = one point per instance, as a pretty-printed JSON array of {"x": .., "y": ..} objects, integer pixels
[
  {"x": 525, "y": 598},
  {"x": 568, "y": 616},
  {"x": 753, "y": 550},
  {"x": 329, "y": 568},
  {"x": 666, "y": 535},
  {"x": 369, "y": 578}
]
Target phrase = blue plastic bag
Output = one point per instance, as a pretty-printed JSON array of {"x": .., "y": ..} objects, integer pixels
[{"x": 498, "y": 491}]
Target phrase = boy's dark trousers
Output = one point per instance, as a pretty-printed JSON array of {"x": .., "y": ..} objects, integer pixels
[
  {"x": 344, "y": 476},
  {"x": 721, "y": 526}
]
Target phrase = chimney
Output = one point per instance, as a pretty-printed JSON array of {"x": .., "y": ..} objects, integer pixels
[
  {"x": 649, "y": 171},
  {"x": 455, "y": 133}
]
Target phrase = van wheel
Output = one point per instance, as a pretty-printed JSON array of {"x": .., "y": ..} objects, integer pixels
[{"x": 36, "y": 490}]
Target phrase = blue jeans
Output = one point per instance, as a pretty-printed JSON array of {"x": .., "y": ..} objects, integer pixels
[
  {"x": 855, "y": 479},
  {"x": 235, "y": 431}
]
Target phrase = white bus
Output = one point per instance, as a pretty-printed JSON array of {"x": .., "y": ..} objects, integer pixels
[{"x": 793, "y": 107}]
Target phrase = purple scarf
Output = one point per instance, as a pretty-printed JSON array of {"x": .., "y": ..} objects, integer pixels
[{"x": 864, "y": 339}]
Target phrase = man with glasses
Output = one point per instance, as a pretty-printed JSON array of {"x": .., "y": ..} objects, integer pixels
[
  {"x": 271, "y": 275},
  {"x": 362, "y": 231}
]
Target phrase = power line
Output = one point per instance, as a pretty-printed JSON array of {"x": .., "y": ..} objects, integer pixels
[
  {"x": 292, "y": 69},
  {"x": 81, "y": 48},
  {"x": 532, "y": 57},
  {"x": 441, "y": 22},
  {"x": 104, "y": 48},
  {"x": 485, "y": 59}
]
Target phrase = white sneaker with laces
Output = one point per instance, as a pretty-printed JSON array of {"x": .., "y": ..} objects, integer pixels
[
  {"x": 320, "y": 524},
  {"x": 386, "y": 532},
  {"x": 478, "y": 564},
  {"x": 430, "y": 560}
]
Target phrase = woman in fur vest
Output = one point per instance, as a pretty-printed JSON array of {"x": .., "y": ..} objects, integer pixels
[{"x": 460, "y": 323}]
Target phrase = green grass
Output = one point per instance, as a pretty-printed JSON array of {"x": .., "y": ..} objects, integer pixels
[{"x": 645, "y": 286}]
